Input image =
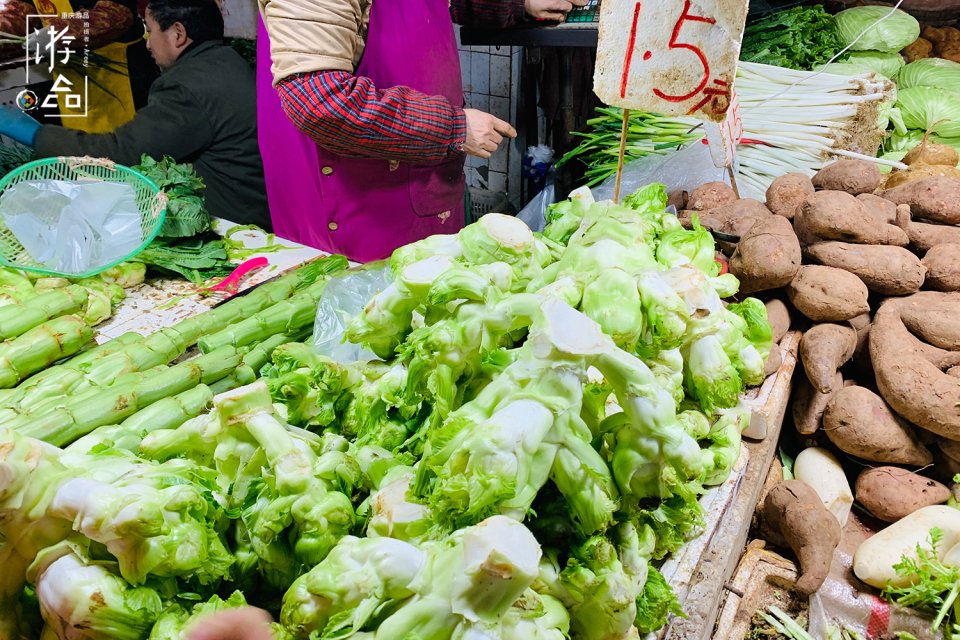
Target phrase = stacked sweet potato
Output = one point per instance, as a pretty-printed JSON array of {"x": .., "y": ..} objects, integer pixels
[{"x": 873, "y": 275}]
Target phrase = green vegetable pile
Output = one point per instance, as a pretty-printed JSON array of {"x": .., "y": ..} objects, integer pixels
[
  {"x": 799, "y": 38},
  {"x": 545, "y": 414},
  {"x": 185, "y": 247}
]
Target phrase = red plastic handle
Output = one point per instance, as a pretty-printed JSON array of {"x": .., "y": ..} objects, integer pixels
[
  {"x": 724, "y": 268},
  {"x": 231, "y": 282}
]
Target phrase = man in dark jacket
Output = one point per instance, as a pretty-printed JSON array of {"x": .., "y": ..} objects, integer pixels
[{"x": 202, "y": 109}]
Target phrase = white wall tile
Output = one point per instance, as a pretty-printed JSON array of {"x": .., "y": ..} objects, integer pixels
[
  {"x": 481, "y": 101},
  {"x": 500, "y": 76},
  {"x": 498, "y": 161},
  {"x": 500, "y": 51},
  {"x": 480, "y": 72},
  {"x": 500, "y": 108},
  {"x": 498, "y": 181},
  {"x": 478, "y": 49},
  {"x": 465, "y": 70}
]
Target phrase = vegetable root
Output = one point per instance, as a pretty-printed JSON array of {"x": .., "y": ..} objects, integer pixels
[
  {"x": 826, "y": 294},
  {"x": 852, "y": 176},
  {"x": 710, "y": 196},
  {"x": 943, "y": 267},
  {"x": 811, "y": 531},
  {"x": 860, "y": 423},
  {"x": 892, "y": 271},
  {"x": 767, "y": 257},
  {"x": 892, "y": 493},
  {"x": 835, "y": 215},
  {"x": 823, "y": 350},
  {"x": 933, "y": 317},
  {"x": 787, "y": 192},
  {"x": 809, "y": 404},
  {"x": 923, "y": 236},
  {"x": 914, "y": 387},
  {"x": 936, "y": 198}
]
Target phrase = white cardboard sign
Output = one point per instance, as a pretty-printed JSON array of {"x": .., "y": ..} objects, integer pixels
[
  {"x": 724, "y": 137},
  {"x": 674, "y": 57}
]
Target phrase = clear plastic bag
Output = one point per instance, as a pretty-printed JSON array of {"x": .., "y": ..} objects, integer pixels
[
  {"x": 535, "y": 213},
  {"x": 342, "y": 299},
  {"x": 685, "y": 169},
  {"x": 73, "y": 227}
]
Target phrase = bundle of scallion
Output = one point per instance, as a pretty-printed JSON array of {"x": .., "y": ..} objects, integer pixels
[
  {"x": 818, "y": 118},
  {"x": 648, "y": 133}
]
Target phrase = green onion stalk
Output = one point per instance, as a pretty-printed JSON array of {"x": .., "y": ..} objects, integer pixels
[
  {"x": 648, "y": 133},
  {"x": 117, "y": 402}
]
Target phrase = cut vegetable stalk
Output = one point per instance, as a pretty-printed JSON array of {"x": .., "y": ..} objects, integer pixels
[
  {"x": 115, "y": 403},
  {"x": 18, "y": 318},
  {"x": 40, "y": 347}
]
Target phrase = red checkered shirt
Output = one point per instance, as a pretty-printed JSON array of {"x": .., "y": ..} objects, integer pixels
[{"x": 348, "y": 115}]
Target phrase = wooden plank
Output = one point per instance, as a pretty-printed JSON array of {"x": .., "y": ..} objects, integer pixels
[{"x": 700, "y": 584}]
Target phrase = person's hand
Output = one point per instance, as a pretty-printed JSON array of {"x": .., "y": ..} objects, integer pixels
[
  {"x": 551, "y": 9},
  {"x": 485, "y": 133},
  {"x": 244, "y": 623},
  {"x": 15, "y": 124}
]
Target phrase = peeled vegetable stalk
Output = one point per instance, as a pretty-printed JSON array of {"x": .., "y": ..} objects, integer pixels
[
  {"x": 18, "y": 318},
  {"x": 40, "y": 347}
]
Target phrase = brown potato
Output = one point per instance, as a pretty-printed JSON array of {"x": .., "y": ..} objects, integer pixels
[
  {"x": 825, "y": 294},
  {"x": 933, "y": 35},
  {"x": 936, "y": 198},
  {"x": 861, "y": 355},
  {"x": 950, "y": 448},
  {"x": 787, "y": 192},
  {"x": 778, "y": 315},
  {"x": 852, "y": 176},
  {"x": 892, "y": 271},
  {"x": 943, "y": 268},
  {"x": 933, "y": 317},
  {"x": 823, "y": 350},
  {"x": 738, "y": 227},
  {"x": 892, "y": 493},
  {"x": 924, "y": 237},
  {"x": 767, "y": 256},
  {"x": 914, "y": 387},
  {"x": 917, "y": 50},
  {"x": 860, "y": 423},
  {"x": 834, "y": 215},
  {"x": 678, "y": 199},
  {"x": 795, "y": 509},
  {"x": 883, "y": 210},
  {"x": 932, "y": 153},
  {"x": 774, "y": 361},
  {"x": 808, "y": 404},
  {"x": 710, "y": 196}
]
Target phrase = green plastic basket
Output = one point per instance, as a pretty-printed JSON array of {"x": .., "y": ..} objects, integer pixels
[{"x": 151, "y": 202}]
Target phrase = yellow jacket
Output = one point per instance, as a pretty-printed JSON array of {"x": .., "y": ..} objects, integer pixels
[{"x": 315, "y": 35}]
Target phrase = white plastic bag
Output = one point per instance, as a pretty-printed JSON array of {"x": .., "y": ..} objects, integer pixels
[
  {"x": 73, "y": 226},
  {"x": 685, "y": 169},
  {"x": 342, "y": 299}
]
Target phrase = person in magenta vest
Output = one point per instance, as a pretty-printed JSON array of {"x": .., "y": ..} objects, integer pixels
[{"x": 361, "y": 121}]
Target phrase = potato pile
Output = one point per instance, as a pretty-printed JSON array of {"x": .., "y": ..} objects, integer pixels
[
  {"x": 943, "y": 42},
  {"x": 873, "y": 277}
]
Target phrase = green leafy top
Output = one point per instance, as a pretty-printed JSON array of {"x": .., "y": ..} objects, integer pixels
[
  {"x": 799, "y": 38},
  {"x": 186, "y": 215},
  {"x": 938, "y": 585}
]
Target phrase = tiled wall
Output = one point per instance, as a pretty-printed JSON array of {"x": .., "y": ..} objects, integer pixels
[{"x": 491, "y": 83}]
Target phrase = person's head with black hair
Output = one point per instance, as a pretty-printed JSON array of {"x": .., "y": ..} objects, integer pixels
[{"x": 172, "y": 25}]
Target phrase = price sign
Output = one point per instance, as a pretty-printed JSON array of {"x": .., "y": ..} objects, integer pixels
[
  {"x": 724, "y": 137},
  {"x": 675, "y": 57}
]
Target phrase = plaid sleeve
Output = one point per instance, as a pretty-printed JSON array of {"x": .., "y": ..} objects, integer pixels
[
  {"x": 493, "y": 13},
  {"x": 348, "y": 115}
]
